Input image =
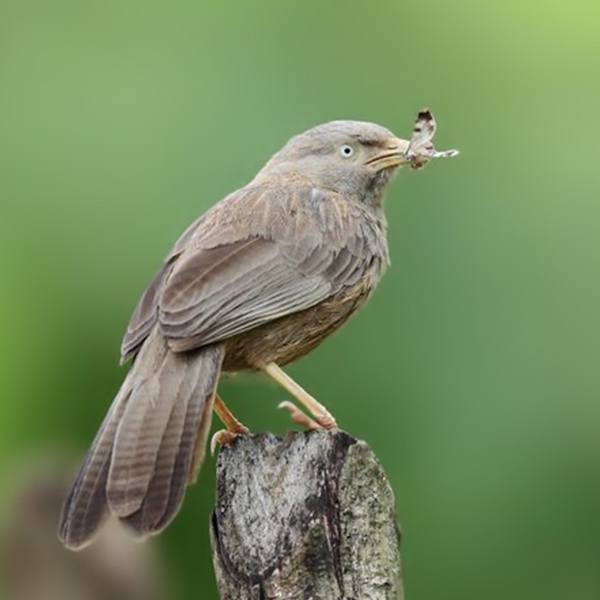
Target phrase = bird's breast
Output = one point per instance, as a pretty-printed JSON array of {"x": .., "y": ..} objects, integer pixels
[{"x": 291, "y": 337}]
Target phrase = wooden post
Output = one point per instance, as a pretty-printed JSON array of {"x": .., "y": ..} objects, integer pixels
[{"x": 308, "y": 517}]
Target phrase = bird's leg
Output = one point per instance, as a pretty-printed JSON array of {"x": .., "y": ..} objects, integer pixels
[
  {"x": 322, "y": 417},
  {"x": 224, "y": 437}
]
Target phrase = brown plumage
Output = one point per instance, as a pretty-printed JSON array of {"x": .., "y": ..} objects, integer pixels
[{"x": 259, "y": 280}]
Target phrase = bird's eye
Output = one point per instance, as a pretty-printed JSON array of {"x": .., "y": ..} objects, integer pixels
[{"x": 346, "y": 151}]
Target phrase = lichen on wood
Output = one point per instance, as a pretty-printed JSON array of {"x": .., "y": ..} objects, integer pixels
[{"x": 311, "y": 516}]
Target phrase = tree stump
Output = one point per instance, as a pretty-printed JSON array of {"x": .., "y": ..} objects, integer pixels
[{"x": 311, "y": 516}]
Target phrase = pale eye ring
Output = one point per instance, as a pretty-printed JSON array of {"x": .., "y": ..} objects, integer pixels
[{"x": 346, "y": 151}]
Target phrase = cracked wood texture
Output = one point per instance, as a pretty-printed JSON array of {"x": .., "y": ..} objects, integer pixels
[{"x": 311, "y": 516}]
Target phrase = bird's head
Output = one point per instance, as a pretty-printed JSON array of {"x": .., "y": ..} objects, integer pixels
[{"x": 353, "y": 158}]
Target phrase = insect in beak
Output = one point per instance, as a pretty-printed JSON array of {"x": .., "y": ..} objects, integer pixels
[
  {"x": 417, "y": 152},
  {"x": 420, "y": 148}
]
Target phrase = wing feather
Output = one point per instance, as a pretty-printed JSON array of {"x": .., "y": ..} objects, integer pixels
[{"x": 262, "y": 253}]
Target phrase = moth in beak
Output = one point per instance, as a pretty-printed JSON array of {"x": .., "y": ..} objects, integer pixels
[{"x": 417, "y": 151}]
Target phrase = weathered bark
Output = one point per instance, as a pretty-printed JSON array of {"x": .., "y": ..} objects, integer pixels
[{"x": 308, "y": 517}]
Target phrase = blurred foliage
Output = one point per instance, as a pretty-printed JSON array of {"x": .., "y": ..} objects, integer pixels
[{"x": 473, "y": 373}]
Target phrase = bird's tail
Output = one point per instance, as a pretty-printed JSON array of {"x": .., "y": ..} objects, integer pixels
[{"x": 149, "y": 446}]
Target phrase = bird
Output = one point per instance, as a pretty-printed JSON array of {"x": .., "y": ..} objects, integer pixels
[{"x": 255, "y": 283}]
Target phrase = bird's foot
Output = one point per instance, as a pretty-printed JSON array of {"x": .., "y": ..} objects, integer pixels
[
  {"x": 322, "y": 419},
  {"x": 225, "y": 437}
]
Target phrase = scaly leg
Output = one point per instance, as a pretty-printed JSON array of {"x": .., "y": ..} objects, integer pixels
[
  {"x": 322, "y": 417},
  {"x": 224, "y": 437}
]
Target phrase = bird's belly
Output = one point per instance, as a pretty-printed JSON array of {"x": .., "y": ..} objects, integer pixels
[{"x": 290, "y": 337}]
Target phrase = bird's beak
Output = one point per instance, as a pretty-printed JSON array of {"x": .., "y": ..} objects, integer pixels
[{"x": 393, "y": 155}]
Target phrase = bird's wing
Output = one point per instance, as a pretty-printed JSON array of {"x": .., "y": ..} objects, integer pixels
[{"x": 262, "y": 253}]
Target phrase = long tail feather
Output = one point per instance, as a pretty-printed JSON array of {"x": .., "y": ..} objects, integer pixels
[
  {"x": 85, "y": 507},
  {"x": 140, "y": 461},
  {"x": 190, "y": 419}
]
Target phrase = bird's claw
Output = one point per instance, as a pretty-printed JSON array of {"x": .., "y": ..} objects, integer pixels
[
  {"x": 225, "y": 437},
  {"x": 320, "y": 421}
]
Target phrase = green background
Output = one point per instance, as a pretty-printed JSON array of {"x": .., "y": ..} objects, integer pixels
[{"x": 473, "y": 373}]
